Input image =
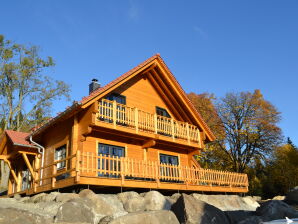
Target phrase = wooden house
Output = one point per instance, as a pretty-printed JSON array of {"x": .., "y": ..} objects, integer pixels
[{"x": 139, "y": 131}]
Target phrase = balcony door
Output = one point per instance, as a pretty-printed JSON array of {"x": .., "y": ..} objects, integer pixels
[
  {"x": 169, "y": 168},
  {"x": 109, "y": 164},
  {"x": 107, "y": 113}
]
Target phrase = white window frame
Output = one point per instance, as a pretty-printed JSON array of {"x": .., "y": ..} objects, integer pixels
[{"x": 60, "y": 153}]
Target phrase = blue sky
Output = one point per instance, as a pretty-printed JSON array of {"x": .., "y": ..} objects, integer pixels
[{"x": 210, "y": 46}]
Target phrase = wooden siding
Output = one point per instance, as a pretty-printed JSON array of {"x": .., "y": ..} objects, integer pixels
[
  {"x": 140, "y": 93},
  {"x": 57, "y": 136}
]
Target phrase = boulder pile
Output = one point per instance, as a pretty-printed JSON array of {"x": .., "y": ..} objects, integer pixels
[{"x": 131, "y": 207}]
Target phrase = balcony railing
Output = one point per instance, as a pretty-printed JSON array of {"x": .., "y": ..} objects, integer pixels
[
  {"x": 131, "y": 117},
  {"x": 88, "y": 164},
  {"x": 132, "y": 169}
]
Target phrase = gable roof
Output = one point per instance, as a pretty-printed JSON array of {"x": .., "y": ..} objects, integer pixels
[
  {"x": 19, "y": 138},
  {"x": 154, "y": 61},
  {"x": 117, "y": 80}
]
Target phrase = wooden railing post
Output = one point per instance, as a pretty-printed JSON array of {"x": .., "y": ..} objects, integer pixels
[
  {"x": 136, "y": 119},
  {"x": 122, "y": 170},
  {"x": 78, "y": 156},
  {"x": 173, "y": 129},
  {"x": 54, "y": 175},
  {"x": 199, "y": 137},
  {"x": 157, "y": 165},
  {"x": 114, "y": 113},
  {"x": 155, "y": 123},
  {"x": 187, "y": 130}
]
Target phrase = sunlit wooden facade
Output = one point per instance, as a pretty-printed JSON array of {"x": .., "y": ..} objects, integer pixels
[{"x": 139, "y": 131}]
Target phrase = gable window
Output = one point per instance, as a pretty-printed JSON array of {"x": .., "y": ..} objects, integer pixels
[
  {"x": 162, "y": 112},
  {"x": 60, "y": 153}
]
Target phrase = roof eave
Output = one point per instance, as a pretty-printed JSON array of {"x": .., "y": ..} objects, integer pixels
[
  {"x": 27, "y": 146},
  {"x": 72, "y": 108}
]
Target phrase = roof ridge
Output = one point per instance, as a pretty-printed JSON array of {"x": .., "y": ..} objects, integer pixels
[{"x": 123, "y": 76}]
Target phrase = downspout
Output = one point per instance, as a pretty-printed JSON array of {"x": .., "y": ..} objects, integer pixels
[{"x": 40, "y": 151}]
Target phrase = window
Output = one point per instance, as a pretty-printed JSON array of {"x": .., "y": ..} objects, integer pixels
[
  {"x": 163, "y": 121},
  {"x": 109, "y": 167},
  {"x": 168, "y": 159},
  {"x": 107, "y": 114},
  {"x": 60, "y": 153},
  {"x": 117, "y": 97},
  {"x": 110, "y": 150},
  {"x": 169, "y": 173},
  {"x": 162, "y": 112}
]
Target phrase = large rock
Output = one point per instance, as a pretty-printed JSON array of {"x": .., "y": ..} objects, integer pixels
[
  {"x": 292, "y": 196},
  {"x": 229, "y": 202},
  {"x": 109, "y": 204},
  {"x": 90, "y": 208},
  {"x": 18, "y": 216},
  {"x": 124, "y": 196},
  {"x": 192, "y": 211},
  {"x": 271, "y": 210},
  {"x": 106, "y": 204},
  {"x": 64, "y": 197},
  {"x": 132, "y": 201},
  {"x": 156, "y": 201},
  {"x": 238, "y": 216},
  {"x": 251, "y": 220},
  {"x": 256, "y": 198},
  {"x": 43, "y": 197},
  {"x": 151, "y": 217},
  {"x": 76, "y": 210},
  {"x": 37, "y": 198},
  {"x": 38, "y": 209},
  {"x": 134, "y": 204},
  {"x": 50, "y": 208}
]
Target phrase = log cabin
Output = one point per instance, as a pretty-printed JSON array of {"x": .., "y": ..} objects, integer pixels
[{"x": 138, "y": 131}]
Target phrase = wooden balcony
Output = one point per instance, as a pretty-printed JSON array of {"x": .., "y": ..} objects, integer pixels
[
  {"x": 91, "y": 169},
  {"x": 140, "y": 122},
  {"x": 128, "y": 172}
]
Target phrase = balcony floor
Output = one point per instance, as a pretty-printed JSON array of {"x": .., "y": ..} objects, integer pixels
[{"x": 132, "y": 184}]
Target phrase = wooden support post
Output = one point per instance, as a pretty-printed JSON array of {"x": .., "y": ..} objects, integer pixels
[
  {"x": 19, "y": 181},
  {"x": 137, "y": 119},
  {"x": 78, "y": 157},
  {"x": 29, "y": 165},
  {"x": 115, "y": 113},
  {"x": 12, "y": 172},
  {"x": 54, "y": 175},
  {"x": 155, "y": 123}
]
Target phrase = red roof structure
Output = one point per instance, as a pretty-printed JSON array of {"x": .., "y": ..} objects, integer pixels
[{"x": 18, "y": 138}]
